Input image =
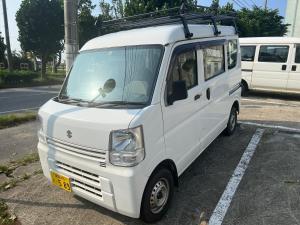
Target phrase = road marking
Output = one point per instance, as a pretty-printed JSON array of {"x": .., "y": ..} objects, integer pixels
[
  {"x": 19, "y": 110},
  {"x": 226, "y": 198},
  {"x": 270, "y": 126},
  {"x": 269, "y": 102}
]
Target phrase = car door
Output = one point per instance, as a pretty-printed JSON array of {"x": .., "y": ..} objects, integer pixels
[
  {"x": 270, "y": 70},
  {"x": 248, "y": 56},
  {"x": 215, "y": 89},
  {"x": 180, "y": 118},
  {"x": 294, "y": 74}
]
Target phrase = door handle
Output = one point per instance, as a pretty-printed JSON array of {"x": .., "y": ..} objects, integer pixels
[
  {"x": 197, "y": 97},
  {"x": 294, "y": 68},
  {"x": 208, "y": 93},
  {"x": 283, "y": 67}
]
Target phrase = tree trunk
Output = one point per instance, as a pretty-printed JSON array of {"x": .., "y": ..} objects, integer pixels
[
  {"x": 44, "y": 62},
  {"x": 54, "y": 64},
  {"x": 58, "y": 61},
  {"x": 35, "y": 64}
]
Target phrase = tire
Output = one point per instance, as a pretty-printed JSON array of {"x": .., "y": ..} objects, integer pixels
[
  {"x": 157, "y": 196},
  {"x": 245, "y": 89},
  {"x": 232, "y": 122}
]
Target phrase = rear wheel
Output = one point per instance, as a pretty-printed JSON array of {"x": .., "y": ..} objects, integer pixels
[
  {"x": 232, "y": 122},
  {"x": 157, "y": 196}
]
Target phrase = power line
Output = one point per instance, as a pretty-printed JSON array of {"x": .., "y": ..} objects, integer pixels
[
  {"x": 238, "y": 3},
  {"x": 246, "y": 3}
]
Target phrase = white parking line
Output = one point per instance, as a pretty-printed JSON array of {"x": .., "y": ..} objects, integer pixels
[
  {"x": 19, "y": 110},
  {"x": 226, "y": 198},
  {"x": 271, "y": 126}
]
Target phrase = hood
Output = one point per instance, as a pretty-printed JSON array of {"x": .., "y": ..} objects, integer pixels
[{"x": 88, "y": 127}]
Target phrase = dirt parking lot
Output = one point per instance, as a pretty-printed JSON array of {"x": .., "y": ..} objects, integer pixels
[{"x": 268, "y": 192}]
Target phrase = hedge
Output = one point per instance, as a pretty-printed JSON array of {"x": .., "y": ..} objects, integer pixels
[{"x": 16, "y": 77}]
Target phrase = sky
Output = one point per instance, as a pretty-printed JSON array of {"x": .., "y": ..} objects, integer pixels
[{"x": 13, "y": 6}]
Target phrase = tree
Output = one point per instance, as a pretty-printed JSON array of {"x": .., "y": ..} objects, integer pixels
[
  {"x": 133, "y": 7},
  {"x": 41, "y": 28},
  {"x": 258, "y": 22},
  {"x": 2, "y": 49},
  {"x": 86, "y": 22}
]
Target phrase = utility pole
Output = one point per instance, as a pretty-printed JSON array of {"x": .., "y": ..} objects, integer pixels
[
  {"x": 266, "y": 4},
  {"x": 71, "y": 31},
  {"x": 8, "y": 49}
]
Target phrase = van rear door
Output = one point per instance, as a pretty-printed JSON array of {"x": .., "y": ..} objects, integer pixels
[
  {"x": 294, "y": 75},
  {"x": 270, "y": 70}
]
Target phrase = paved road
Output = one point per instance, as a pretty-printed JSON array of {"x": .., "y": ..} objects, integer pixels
[{"x": 20, "y": 99}]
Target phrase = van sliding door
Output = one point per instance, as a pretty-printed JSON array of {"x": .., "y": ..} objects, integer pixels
[
  {"x": 294, "y": 74},
  {"x": 270, "y": 70}
]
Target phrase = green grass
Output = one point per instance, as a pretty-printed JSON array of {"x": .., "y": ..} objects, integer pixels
[
  {"x": 31, "y": 158},
  {"x": 11, "y": 120},
  {"x": 12, "y": 165},
  {"x": 5, "y": 217}
]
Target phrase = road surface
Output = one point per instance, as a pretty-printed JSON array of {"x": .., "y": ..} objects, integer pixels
[{"x": 14, "y": 100}]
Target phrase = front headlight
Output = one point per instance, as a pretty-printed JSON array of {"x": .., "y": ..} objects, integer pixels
[{"x": 127, "y": 147}]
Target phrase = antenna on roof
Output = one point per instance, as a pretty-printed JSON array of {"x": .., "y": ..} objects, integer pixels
[{"x": 185, "y": 15}]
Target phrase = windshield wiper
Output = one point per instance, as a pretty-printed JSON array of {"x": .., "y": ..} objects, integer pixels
[
  {"x": 115, "y": 103},
  {"x": 71, "y": 100}
]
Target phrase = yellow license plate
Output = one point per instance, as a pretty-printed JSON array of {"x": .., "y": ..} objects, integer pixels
[{"x": 61, "y": 181}]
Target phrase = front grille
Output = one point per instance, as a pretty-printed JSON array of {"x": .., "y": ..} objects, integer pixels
[
  {"x": 76, "y": 172},
  {"x": 86, "y": 188},
  {"x": 81, "y": 151},
  {"x": 81, "y": 180}
]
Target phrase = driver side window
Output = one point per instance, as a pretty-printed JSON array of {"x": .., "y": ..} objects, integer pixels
[{"x": 185, "y": 69}]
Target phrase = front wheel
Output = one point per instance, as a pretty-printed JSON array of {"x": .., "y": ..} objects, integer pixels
[
  {"x": 157, "y": 196},
  {"x": 232, "y": 122}
]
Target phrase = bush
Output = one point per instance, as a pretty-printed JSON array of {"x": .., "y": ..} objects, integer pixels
[{"x": 17, "y": 77}]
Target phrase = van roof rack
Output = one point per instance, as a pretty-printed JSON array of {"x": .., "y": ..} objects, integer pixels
[{"x": 184, "y": 14}]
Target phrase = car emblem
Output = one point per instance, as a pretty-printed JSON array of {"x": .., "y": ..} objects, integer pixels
[{"x": 69, "y": 134}]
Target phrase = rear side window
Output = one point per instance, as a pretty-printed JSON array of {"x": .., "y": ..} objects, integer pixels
[
  {"x": 248, "y": 53},
  {"x": 297, "y": 57},
  {"x": 185, "y": 68},
  {"x": 269, "y": 53},
  {"x": 213, "y": 61},
  {"x": 232, "y": 53}
]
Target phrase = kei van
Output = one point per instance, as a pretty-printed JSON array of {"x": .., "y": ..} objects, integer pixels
[
  {"x": 136, "y": 109},
  {"x": 271, "y": 64}
]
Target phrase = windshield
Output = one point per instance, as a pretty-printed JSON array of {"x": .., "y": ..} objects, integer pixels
[{"x": 120, "y": 75}]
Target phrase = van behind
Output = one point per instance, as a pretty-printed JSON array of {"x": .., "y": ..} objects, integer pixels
[{"x": 271, "y": 64}]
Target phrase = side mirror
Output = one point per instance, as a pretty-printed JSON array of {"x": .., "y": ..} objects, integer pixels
[{"x": 179, "y": 92}]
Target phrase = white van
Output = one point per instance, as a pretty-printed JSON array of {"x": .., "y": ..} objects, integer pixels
[
  {"x": 137, "y": 108},
  {"x": 271, "y": 64}
]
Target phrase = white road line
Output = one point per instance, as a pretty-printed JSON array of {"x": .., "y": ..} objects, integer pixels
[
  {"x": 269, "y": 102},
  {"x": 19, "y": 110},
  {"x": 226, "y": 198},
  {"x": 270, "y": 126}
]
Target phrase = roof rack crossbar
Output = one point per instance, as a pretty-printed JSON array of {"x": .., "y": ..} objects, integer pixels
[{"x": 174, "y": 15}]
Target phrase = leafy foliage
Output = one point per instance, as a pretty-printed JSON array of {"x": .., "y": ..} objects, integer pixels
[
  {"x": 41, "y": 29},
  {"x": 259, "y": 22},
  {"x": 86, "y": 28}
]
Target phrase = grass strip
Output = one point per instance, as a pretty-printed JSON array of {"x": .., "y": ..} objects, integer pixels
[{"x": 11, "y": 120}]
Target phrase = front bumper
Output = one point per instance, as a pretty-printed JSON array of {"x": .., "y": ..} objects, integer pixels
[{"x": 115, "y": 188}]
